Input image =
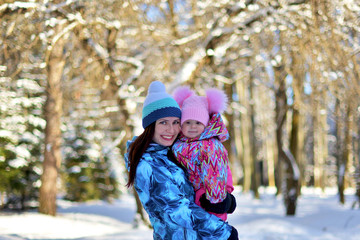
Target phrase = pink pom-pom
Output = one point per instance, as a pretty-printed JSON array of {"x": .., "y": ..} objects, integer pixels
[
  {"x": 182, "y": 93},
  {"x": 217, "y": 100}
]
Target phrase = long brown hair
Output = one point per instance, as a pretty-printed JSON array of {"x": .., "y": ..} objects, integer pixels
[{"x": 137, "y": 149}]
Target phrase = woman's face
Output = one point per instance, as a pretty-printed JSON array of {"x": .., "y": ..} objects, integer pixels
[{"x": 166, "y": 130}]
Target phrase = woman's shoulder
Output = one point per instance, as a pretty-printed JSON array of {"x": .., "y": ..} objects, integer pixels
[{"x": 144, "y": 166}]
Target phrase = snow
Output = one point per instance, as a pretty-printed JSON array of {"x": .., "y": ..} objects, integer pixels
[{"x": 319, "y": 217}]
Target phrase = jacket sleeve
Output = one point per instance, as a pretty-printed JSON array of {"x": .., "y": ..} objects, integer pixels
[
  {"x": 167, "y": 203},
  {"x": 229, "y": 184},
  {"x": 214, "y": 170}
]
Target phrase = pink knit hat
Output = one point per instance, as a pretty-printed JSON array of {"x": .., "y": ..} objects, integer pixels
[{"x": 199, "y": 108}]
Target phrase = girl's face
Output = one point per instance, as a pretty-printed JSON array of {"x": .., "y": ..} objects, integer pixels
[
  {"x": 166, "y": 130},
  {"x": 192, "y": 128}
]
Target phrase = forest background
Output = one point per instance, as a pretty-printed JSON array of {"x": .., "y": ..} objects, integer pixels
[{"x": 74, "y": 73}]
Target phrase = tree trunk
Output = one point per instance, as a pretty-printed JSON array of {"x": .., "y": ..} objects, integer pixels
[
  {"x": 255, "y": 173},
  {"x": 294, "y": 138},
  {"x": 342, "y": 166},
  {"x": 238, "y": 167},
  {"x": 2, "y": 200},
  {"x": 278, "y": 172},
  {"x": 53, "y": 111},
  {"x": 266, "y": 136},
  {"x": 357, "y": 181},
  {"x": 233, "y": 160},
  {"x": 271, "y": 157},
  {"x": 357, "y": 162},
  {"x": 297, "y": 134},
  {"x": 244, "y": 126},
  {"x": 320, "y": 145},
  {"x": 292, "y": 170}
]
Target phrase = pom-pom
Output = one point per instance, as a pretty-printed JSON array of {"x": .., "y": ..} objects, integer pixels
[
  {"x": 182, "y": 93},
  {"x": 217, "y": 100},
  {"x": 156, "y": 87}
]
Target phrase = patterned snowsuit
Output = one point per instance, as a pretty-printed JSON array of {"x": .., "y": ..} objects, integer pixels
[
  {"x": 168, "y": 197},
  {"x": 207, "y": 162}
]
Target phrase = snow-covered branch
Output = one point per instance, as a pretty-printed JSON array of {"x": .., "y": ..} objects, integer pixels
[
  {"x": 139, "y": 69},
  {"x": 187, "y": 39},
  {"x": 214, "y": 39},
  {"x": 58, "y": 36},
  {"x": 294, "y": 166},
  {"x": 12, "y": 7},
  {"x": 47, "y": 8},
  {"x": 188, "y": 69}
]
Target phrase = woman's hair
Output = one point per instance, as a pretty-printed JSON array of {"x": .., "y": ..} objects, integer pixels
[{"x": 137, "y": 149}]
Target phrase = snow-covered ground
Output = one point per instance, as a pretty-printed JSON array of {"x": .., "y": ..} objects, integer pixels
[{"x": 319, "y": 217}]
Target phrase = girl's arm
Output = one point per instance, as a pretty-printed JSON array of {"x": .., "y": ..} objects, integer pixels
[
  {"x": 217, "y": 179},
  {"x": 214, "y": 167}
]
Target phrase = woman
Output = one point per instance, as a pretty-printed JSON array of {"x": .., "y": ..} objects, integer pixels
[{"x": 162, "y": 185}]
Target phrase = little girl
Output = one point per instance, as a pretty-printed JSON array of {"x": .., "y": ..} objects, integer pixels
[{"x": 199, "y": 149}]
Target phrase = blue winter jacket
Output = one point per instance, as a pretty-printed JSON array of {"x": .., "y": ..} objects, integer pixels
[{"x": 168, "y": 197}]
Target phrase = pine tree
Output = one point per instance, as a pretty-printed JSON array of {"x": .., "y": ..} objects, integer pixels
[
  {"x": 87, "y": 167},
  {"x": 21, "y": 134}
]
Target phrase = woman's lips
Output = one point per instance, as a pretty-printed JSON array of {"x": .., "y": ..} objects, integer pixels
[{"x": 167, "y": 138}]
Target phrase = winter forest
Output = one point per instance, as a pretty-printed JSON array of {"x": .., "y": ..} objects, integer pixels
[{"x": 74, "y": 74}]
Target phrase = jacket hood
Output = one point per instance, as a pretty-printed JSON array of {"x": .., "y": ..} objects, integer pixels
[{"x": 215, "y": 128}]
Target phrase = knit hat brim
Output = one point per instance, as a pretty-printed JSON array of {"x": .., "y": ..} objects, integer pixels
[
  {"x": 199, "y": 114},
  {"x": 195, "y": 108},
  {"x": 165, "y": 107},
  {"x": 161, "y": 113}
]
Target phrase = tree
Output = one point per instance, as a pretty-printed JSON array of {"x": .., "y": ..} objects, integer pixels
[
  {"x": 53, "y": 112},
  {"x": 87, "y": 170},
  {"x": 292, "y": 173},
  {"x": 21, "y": 129}
]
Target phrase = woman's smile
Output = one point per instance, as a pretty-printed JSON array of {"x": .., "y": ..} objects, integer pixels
[
  {"x": 166, "y": 130},
  {"x": 167, "y": 137}
]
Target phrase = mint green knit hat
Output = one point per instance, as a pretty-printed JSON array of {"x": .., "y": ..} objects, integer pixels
[{"x": 158, "y": 104}]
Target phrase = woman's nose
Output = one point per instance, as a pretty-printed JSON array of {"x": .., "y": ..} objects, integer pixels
[{"x": 171, "y": 128}]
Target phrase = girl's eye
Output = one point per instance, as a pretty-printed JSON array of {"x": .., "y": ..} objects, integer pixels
[
  {"x": 163, "y": 122},
  {"x": 177, "y": 122}
]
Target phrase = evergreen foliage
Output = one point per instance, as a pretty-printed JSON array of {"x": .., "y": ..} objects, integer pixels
[
  {"x": 87, "y": 167},
  {"x": 86, "y": 172},
  {"x": 21, "y": 134}
]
